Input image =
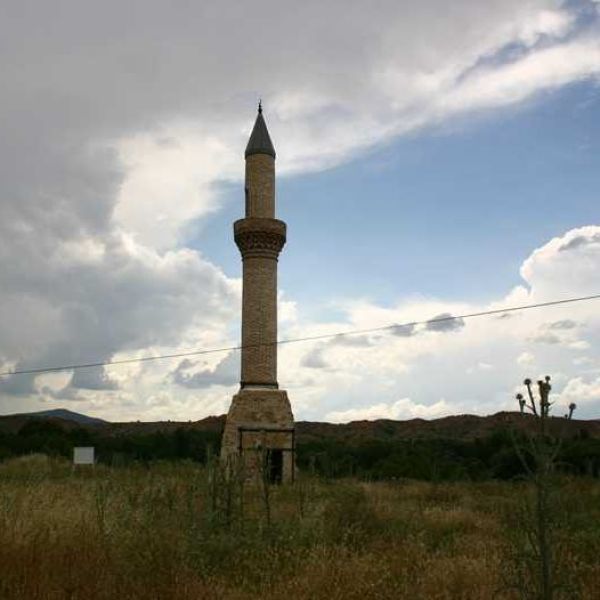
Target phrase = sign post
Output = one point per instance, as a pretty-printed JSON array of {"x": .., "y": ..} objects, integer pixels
[{"x": 83, "y": 455}]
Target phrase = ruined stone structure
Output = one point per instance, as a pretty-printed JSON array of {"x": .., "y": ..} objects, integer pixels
[{"x": 259, "y": 431}]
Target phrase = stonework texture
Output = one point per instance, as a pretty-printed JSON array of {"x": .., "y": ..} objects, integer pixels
[
  {"x": 260, "y": 186},
  {"x": 260, "y": 421},
  {"x": 260, "y": 241},
  {"x": 259, "y": 322}
]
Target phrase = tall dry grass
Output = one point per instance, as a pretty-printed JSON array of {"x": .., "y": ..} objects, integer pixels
[{"x": 163, "y": 532}]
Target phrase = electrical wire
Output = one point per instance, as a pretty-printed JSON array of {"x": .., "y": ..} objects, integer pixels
[{"x": 392, "y": 327}]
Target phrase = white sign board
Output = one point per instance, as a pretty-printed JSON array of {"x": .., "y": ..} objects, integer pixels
[{"x": 83, "y": 455}]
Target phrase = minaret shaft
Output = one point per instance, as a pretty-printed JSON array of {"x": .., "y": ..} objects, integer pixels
[
  {"x": 260, "y": 186},
  {"x": 259, "y": 322},
  {"x": 260, "y": 238}
]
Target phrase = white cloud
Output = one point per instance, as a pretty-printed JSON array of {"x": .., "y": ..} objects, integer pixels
[
  {"x": 525, "y": 358},
  {"x": 225, "y": 372},
  {"x": 324, "y": 123},
  {"x": 401, "y": 409},
  {"x": 585, "y": 392},
  {"x": 170, "y": 181},
  {"x": 170, "y": 92},
  {"x": 510, "y": 83},
  {"x": 314, "y": 359},
  {"x": 420, "y": 368},
  {"x": 496, "y": 353},
  {"x": 566, "y": 265},
  {"x": 119, "y": 122}
]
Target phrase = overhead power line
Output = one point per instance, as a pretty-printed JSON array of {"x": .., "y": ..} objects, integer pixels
[{"x": 394, "y": 326}]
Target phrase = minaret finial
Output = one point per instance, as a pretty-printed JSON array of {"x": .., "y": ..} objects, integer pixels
[{"x": 260, "y": 106}]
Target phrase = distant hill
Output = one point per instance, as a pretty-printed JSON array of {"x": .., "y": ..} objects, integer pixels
[
  {"x": 62, "y": 413},
  {"x": 454, "y": 447},
  {"x": 456, "y": 427}
]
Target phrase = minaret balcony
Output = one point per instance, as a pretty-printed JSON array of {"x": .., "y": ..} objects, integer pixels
[{"x": 258, "y": 237}]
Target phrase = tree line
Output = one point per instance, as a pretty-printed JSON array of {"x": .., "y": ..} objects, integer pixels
[{"x": 436, "y": 459}]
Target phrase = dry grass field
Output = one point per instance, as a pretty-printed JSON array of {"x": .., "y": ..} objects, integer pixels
[{"x": 175, "y": 531}]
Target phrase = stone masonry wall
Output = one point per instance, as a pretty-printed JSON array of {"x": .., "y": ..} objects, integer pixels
[
  {"x": 260, "y": 186},
  {"x": 259, "y": 419},
  {"x": 259, "y": 321}
]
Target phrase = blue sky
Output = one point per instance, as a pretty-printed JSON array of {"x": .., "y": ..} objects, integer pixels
[
  {"x": 433, "y": 158},
  {"x": 449, "y": 212}
]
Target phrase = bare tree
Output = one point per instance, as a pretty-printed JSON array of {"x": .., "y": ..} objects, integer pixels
[{"x": 538, "y": 455}]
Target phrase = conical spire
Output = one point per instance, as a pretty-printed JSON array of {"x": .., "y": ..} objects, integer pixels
[{"x": 260, "y": 141}]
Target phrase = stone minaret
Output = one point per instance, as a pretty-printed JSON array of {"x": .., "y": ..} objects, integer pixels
[{"x": 259, "y": 432}]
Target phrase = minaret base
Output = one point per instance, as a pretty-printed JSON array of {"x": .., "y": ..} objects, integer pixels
[{"x": 259, "y": 435}]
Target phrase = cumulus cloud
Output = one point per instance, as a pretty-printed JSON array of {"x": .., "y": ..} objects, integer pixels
[
  {"x": 401, "y": 409},
  {"x": 476, "y": 371},
  {"x": 163, "y": 95},
  {"x": 120, "y": 122},
  {"x": 563, "y": 331},
  {"x": 584, "y": 391},
  {"x": 546, "y": 338},
  {"x": 124, "y": 300},
  {"x": 445, "y": 322},
  {"x": 314, "y": 359},
  {"x": 357, "y": 341},
  {"x": 561, "y": 269},
  {"x": 525, "y": 358},
  {"x": 579, "y": 241},
  {"x": 225, "y": 373},
  {"x": 563, "y": 324},
  {"x": 403, "y": 330},
  {"x": 93, "y": 379}
]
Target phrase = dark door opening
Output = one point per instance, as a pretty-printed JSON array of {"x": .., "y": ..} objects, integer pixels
[{"x": 275, "y": 465}]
